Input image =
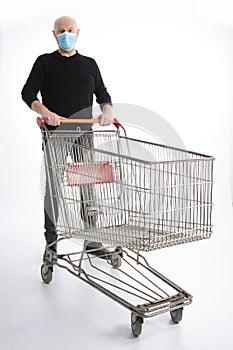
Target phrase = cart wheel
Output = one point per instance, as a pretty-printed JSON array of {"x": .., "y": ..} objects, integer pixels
[
  {"x": 176, "y": 315},
  {"x": 46, "y": 273},
  {"x": 136, "y": 324},
  {"x": 115, "y": 260}
]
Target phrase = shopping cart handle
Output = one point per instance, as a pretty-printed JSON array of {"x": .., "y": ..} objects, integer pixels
[
  {"x": 41, "y": 121},
  {"x": 116, "y": 123}
]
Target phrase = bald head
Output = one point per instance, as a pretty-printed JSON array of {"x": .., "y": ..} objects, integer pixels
[
  {"x": 65, "y": 23},
  {"x": 64, "y": 20}
]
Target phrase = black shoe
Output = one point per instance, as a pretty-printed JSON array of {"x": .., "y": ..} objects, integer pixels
[
  {"x": 97, "y": 249},
  {"x": 50, "y": 255}
]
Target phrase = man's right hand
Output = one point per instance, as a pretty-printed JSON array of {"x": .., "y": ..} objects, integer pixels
[{"x": 52, "y": 119}]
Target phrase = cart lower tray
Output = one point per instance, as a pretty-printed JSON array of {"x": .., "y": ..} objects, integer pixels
[{"x": 136, "y": 238}]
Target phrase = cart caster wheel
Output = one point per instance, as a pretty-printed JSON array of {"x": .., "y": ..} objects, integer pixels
[
  {"x": 176, "y": 315},
  {"x": 136, "y": 324},
  {"x": 46, "y": 273},
  {"x": 115, "y": 260}
]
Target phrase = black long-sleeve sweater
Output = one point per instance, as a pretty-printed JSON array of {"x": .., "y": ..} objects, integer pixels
[{"x": 66, "y": 84}]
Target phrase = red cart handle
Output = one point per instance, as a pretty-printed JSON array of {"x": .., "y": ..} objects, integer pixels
[{"x": 41, "y": 121}]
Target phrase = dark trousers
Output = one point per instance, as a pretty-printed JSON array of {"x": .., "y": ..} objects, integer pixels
[{"x": 51, "y": 200}]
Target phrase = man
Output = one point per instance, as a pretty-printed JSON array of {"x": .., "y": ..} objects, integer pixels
[{"x": 67, "y": 82}]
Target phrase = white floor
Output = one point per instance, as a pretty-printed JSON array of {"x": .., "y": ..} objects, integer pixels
[{"x": 70, "y": 314}]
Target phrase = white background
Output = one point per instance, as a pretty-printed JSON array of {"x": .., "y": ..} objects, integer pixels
[{"x": 172, "y": 57}]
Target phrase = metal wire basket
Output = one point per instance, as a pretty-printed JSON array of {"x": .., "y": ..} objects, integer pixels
[{"x": 144, "y": 196}]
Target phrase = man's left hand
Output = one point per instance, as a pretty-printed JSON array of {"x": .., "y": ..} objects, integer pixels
[{"x": 106, "y": 117}]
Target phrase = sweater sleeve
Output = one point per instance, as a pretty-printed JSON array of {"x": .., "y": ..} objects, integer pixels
[
  {"x": 101, "y": 93},
  {"x": 34, "y": 83}
]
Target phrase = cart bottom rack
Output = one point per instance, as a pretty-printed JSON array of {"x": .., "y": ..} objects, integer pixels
[{"x": 126, "y": 277}]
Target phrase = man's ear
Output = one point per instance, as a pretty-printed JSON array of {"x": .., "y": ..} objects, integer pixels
[
  {"x": 54, "y": 34},
  {"x": 78, "y": 30}
]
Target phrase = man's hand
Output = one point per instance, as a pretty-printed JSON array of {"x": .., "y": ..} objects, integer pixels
[
  {"x": 49, "y": 117},
  {"x": 52, "y": 119},
  {"x": 106, "y": 117}
]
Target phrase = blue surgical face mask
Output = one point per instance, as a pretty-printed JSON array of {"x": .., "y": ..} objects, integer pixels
[{"x": 66, "y": 41}]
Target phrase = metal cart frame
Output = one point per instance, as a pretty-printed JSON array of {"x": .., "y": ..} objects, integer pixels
[{"x": 147, "y": 196}]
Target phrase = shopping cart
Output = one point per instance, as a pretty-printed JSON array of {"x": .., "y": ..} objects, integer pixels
[{"x": 133, "y": 196}]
